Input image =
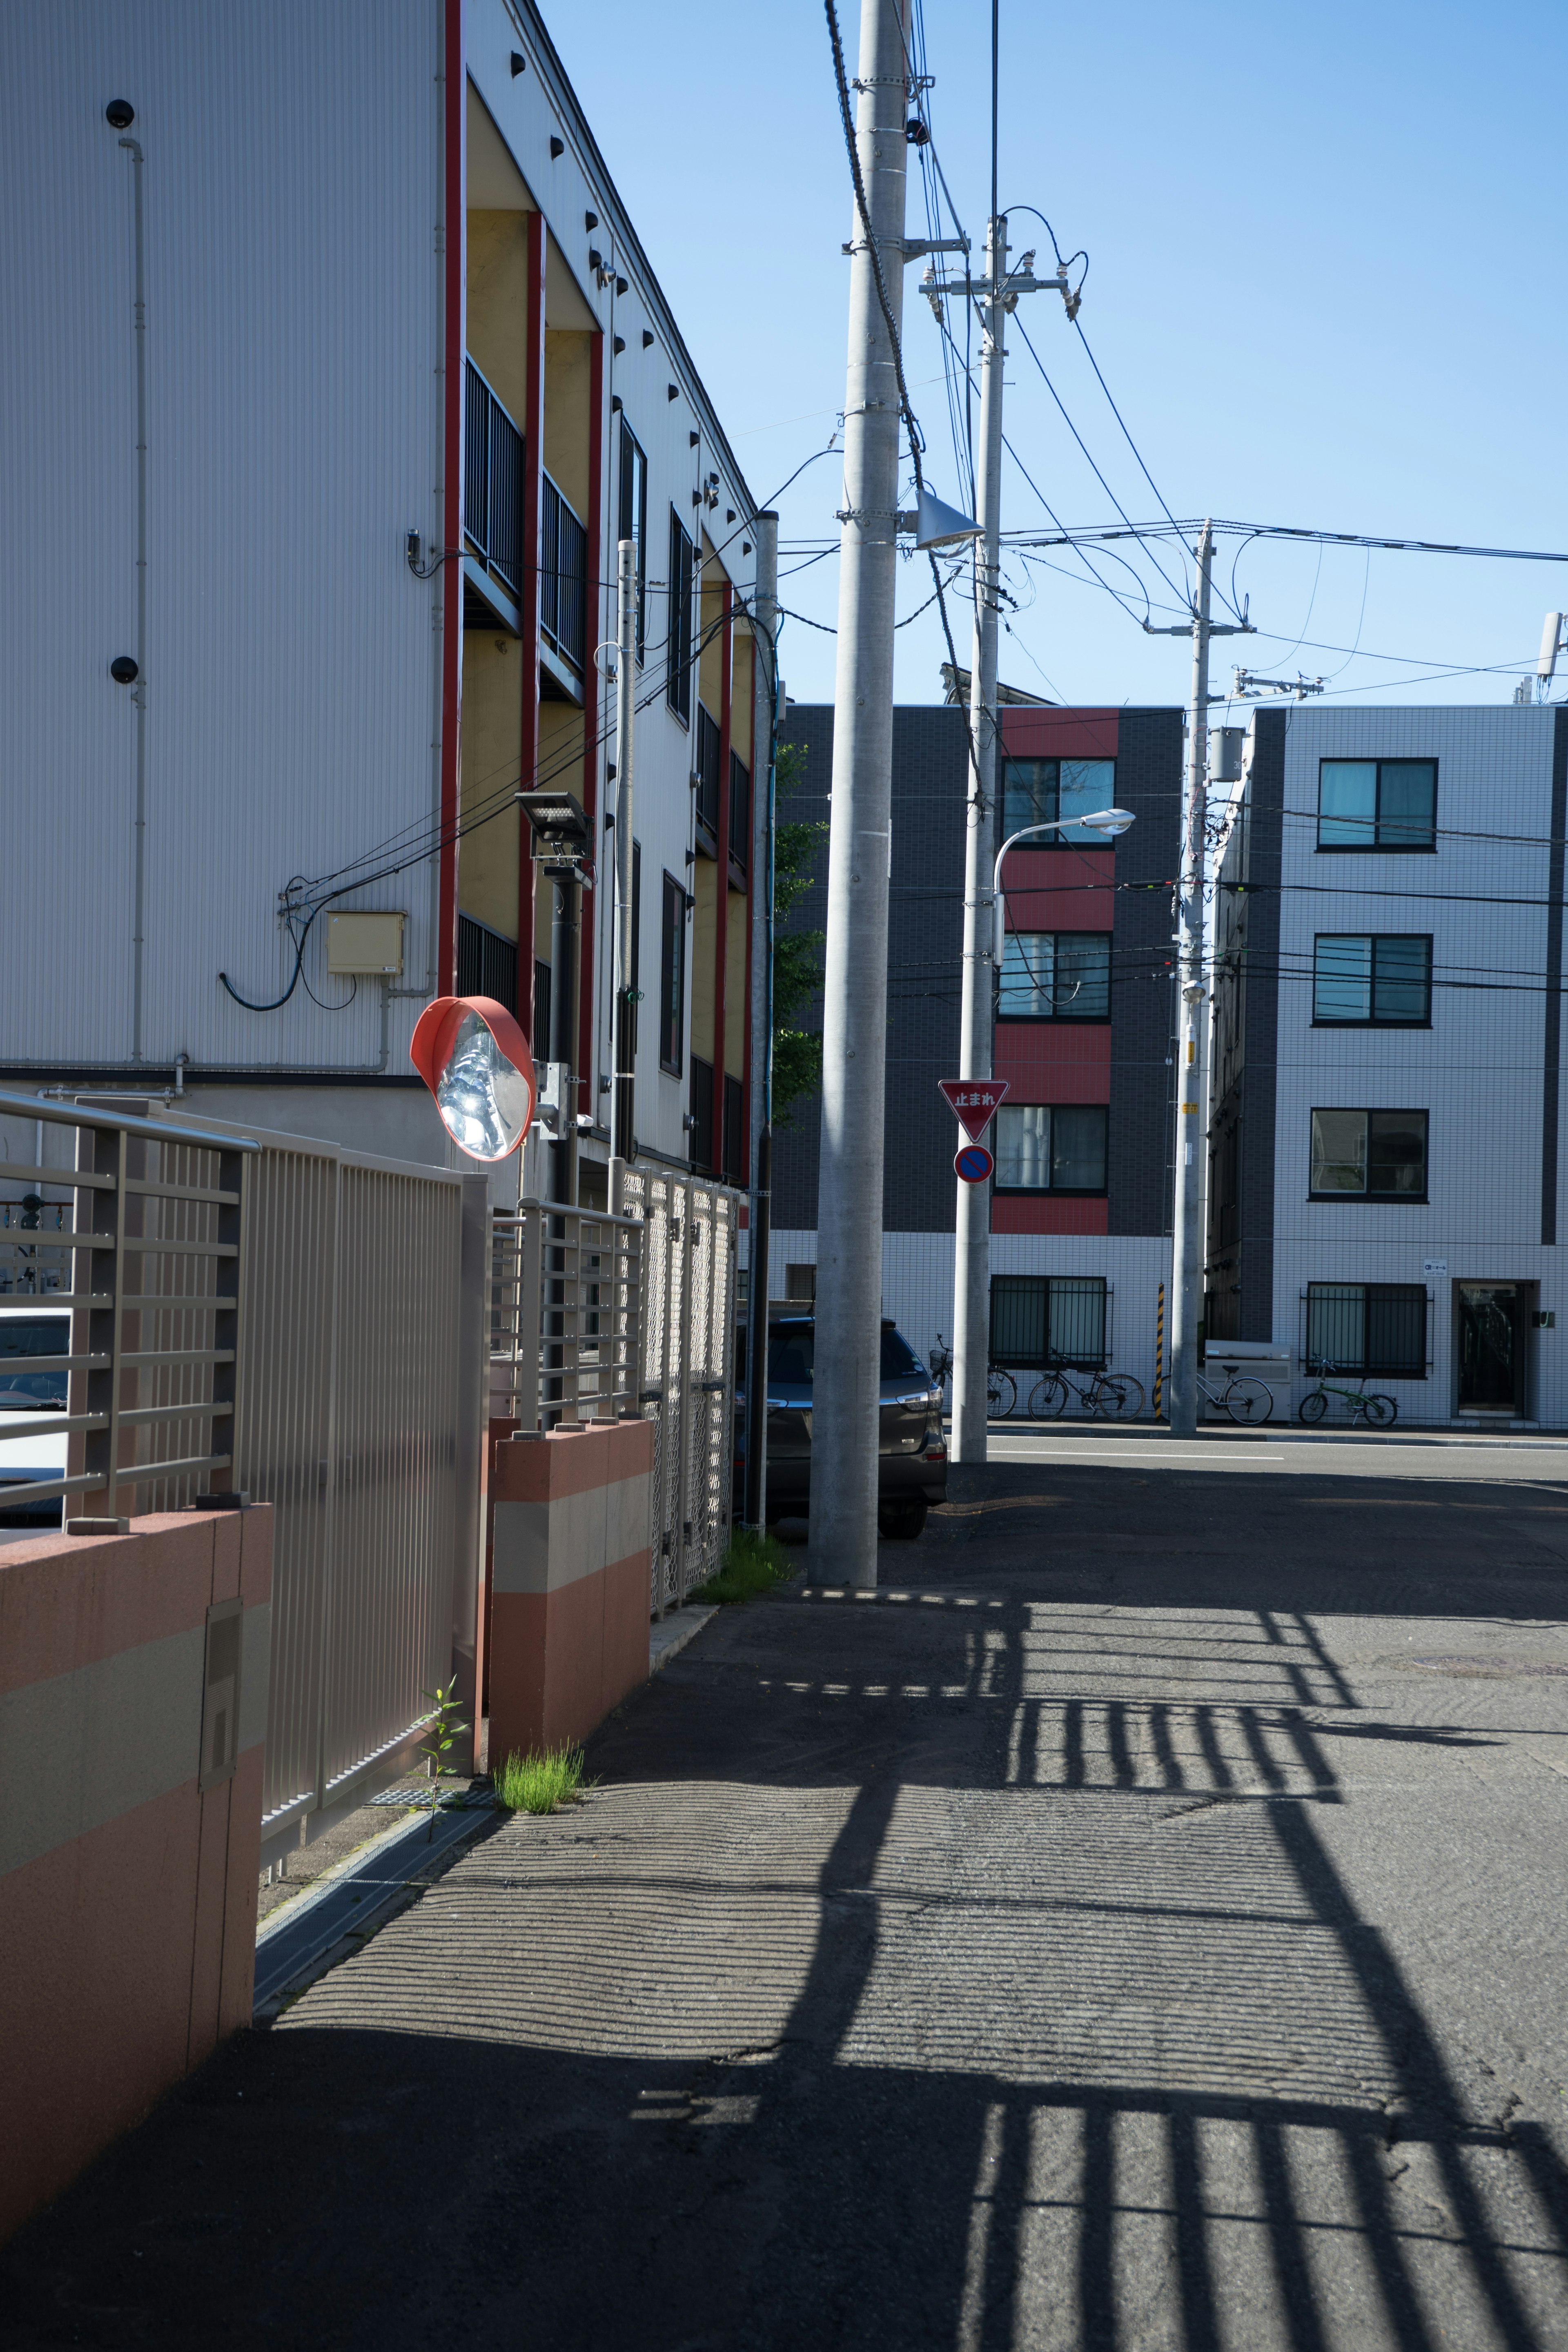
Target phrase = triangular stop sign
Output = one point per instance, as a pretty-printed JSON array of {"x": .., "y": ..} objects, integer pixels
[{"x": 974, "y": 1100}]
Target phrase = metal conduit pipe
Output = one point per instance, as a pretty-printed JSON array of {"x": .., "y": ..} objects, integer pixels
[{"x": 138, "y": 690}]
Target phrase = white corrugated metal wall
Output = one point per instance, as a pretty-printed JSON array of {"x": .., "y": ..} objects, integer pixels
[{"x": 292, "y": 201}]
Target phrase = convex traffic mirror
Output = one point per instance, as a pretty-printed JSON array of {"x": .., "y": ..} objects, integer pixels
[{"x": 476, "y": 1061}]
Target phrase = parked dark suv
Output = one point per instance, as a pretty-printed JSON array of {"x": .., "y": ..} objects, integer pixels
[{"x": 912, "y": 1473}]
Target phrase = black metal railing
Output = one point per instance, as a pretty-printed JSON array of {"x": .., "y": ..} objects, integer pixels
[
  {"x": 709, "y": 745},
  {"x": 492, "y": 481},
  {"x": 702, "y": 1113},
  {"x": 487, "y": 963},
  {"x": 734, "y": 1130},
  {"x": 740, "y": 811},
  {"x": 563, "y": 580}
]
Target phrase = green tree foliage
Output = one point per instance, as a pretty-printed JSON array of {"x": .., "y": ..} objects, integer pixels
[{"x": 797, "y": 972}]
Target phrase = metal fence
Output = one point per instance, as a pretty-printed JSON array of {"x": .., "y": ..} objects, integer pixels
[
  {"x": 593, "y": 1317},
  {"x": 147, "y": 1257},
  {"x": 564, "y": 1309}
]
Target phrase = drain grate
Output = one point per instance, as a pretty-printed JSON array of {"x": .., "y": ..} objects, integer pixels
[
  {"x": 1501, "y": 1668},
  {"x": 455, "y": 1802}
]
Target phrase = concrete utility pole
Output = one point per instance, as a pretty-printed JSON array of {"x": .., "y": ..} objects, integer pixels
[
  {"x": 971, "y": 1231},
  {"x": 846, "y": 1385},
  {"x": 766, "y": 699},
  {"x": 1192, "y": 1036},
  {"x": 623, "y": 1095},
  {"x": 1187, "y": 1234}
]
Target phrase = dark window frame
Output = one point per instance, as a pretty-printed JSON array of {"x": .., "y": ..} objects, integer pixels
[
  {"x": 1375, "y": 1020},
  {"x": 1382, "y": 1199},
  {"x": 1055, "y": 1191},
  {"x": 678, "y": 642},
  {"x": 1388, "y": 1295},
  {"x": 633, "y": 506},
  {"x": 672, "y": 978},
  {"x": 1018, "y": 1287},
  {"x": 1375, "y": 847},
  {"x": 1028, "y": 1020},
  {"x": 1063, "y": 841}
]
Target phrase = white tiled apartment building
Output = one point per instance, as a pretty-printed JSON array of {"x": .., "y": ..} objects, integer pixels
[{"x": 1387, "y": 1185}]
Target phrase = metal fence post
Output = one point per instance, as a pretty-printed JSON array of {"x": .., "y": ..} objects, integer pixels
[{"x": 473, "y": 1399}]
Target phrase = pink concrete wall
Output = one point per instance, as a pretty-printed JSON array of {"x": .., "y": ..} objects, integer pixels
[
  {"x": 127, "y": 1893},
  {"x": 569, "y": 1582}
]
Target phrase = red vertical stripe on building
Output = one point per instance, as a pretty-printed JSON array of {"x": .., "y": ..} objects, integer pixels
[
  {"x": 454, "y": 205},
  {"x": 532, "y": 520},
  {"x": 592, "y": 687}
]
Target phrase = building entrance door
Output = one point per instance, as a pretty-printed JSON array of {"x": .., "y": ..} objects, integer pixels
[{"x": 1491, "y": 1355}]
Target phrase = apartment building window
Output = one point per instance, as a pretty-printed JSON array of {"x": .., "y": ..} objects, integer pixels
[
  {"x": 1044, "y": 1319},
  {"x": 1373, "y": 1155},
  {"x": 1051, "y": 1147},
  {"x": 672, "y": 978},
  {"x": 634, "y": 522},
  {"x": 1371, "y": 1329},
  {"x": 678, "y": 642},
  {"x": 709, "y": 745},
  {"x": 740, "y": 812},
  {"x": 701, "y": 1113},
  {"x": 1055, "y": 976},
  {"x": 733, "y": 1165},
  {"x": 1382, "y": 980},
  {"x": 1384, "y": 804},
  {"x": 1037, "y": 791}
]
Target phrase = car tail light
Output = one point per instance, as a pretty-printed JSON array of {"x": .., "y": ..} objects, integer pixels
[{"x": 937, "y": 1454}]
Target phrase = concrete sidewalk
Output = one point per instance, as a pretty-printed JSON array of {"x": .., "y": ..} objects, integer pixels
[{"x": 1142, "y": 1925}]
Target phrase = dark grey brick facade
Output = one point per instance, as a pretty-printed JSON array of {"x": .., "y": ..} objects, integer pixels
[
  {"x": 924, "y": 948},
  {"x": 1241, "y": 1239}
]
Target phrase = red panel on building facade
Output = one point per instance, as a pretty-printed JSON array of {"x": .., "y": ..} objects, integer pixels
[
  {"x": 1058, "y": 734},
  {"x": 1034, "y": 1213},
  {"x": 1055, "y": 1061},
  {"x": 1059, "y": 890}
]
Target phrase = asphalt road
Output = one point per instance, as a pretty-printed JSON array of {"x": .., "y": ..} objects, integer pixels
[{"x": 1141, "y": 1923}]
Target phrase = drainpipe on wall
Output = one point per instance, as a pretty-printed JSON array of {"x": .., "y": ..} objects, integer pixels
[{"x": 139, "y": 691}]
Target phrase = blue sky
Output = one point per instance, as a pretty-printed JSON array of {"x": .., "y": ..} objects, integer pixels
[{"x": 1326, "y": 287}]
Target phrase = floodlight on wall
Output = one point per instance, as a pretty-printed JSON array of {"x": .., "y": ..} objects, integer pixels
[
  {"x": 476, "y": 1061},
  {"x": 561, "y": 834}
]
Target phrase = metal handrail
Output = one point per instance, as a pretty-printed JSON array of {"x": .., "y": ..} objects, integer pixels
[{"x": 106, "y": 1362}]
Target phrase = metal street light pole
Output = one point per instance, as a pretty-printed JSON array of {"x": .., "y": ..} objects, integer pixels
[{"x": 847, "y": 1386}]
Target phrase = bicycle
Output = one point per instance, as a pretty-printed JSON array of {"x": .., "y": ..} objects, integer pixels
[
  {"x": 1362, "y": 1404},
  {"x": 1001, "y": 1389},
  {"x": 1244, "y": 1400},
  {"x": 1117, "y": 1395}
]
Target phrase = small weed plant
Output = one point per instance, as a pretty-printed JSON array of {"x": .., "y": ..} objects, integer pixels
[
  {"x": 441, "y": 1733},
  {"x": 538, "y": 1782},
  {"x": 753, "y": 1564}
]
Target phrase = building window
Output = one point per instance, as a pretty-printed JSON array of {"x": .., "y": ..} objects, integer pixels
[
  {"x": 1367, "y": 1328},
  {"x": 1382, "y": 980},
  {"x": 1375, "y": 1155},
  {"x": 634, "y": 522},
  {"x": 707, "y": 770},
  {"x": 487, "y": 965},
  {"x": 1038, "y": 791},
  {"x": 703, "y": 1114},
  {"x": 732, "y": 1163},
  {"x": 1048, "y": 1318},
  {"x": 1055, "y": 976},
  {"x": 1377, "y": 804},
  {"x": 1045, "y": 1148},
  {"x": 677, "y": 640},
  {"x": 739, "y": 812},
  {"x": 672, "y": 978}
]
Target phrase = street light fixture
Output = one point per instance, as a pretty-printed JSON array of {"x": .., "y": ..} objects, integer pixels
[{"x": 1110, "y": 821}]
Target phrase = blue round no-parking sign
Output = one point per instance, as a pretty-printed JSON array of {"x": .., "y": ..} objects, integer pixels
[{"x": 973, "y": 1164}]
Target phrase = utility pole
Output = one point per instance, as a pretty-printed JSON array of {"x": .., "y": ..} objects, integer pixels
[
  {"x": 1188, "y": 1235},
  {"x": 972, "y": 1228},
  {"x": 623, "y": 1095},
  {"x": 766, "y": 702},
  {"x": 846, "y": 1382}
]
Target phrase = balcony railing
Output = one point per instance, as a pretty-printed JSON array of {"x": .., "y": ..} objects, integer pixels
[
  {"x": 493, "y": 482},
  {"x": 563, "y": 581}
]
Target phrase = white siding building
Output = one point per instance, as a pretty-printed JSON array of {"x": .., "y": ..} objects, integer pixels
[
  {"x": 1386, "y": 1183},
  {"x": 355, "y": 630}
]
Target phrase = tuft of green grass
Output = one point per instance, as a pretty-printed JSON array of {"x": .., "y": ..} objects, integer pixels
[
  {"x": 753, "y": 1564},
  {"x": 538, "y": 1782}
]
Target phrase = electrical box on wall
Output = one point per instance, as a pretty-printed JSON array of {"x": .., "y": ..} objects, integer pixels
[{"x": 362, "y": 943}]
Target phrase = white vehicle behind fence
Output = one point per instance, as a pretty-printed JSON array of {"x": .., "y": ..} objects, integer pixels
[{"x": 29, "y": 1329}]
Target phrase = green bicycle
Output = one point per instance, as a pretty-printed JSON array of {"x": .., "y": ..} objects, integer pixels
[{"x": 1361, "y": 1404}]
